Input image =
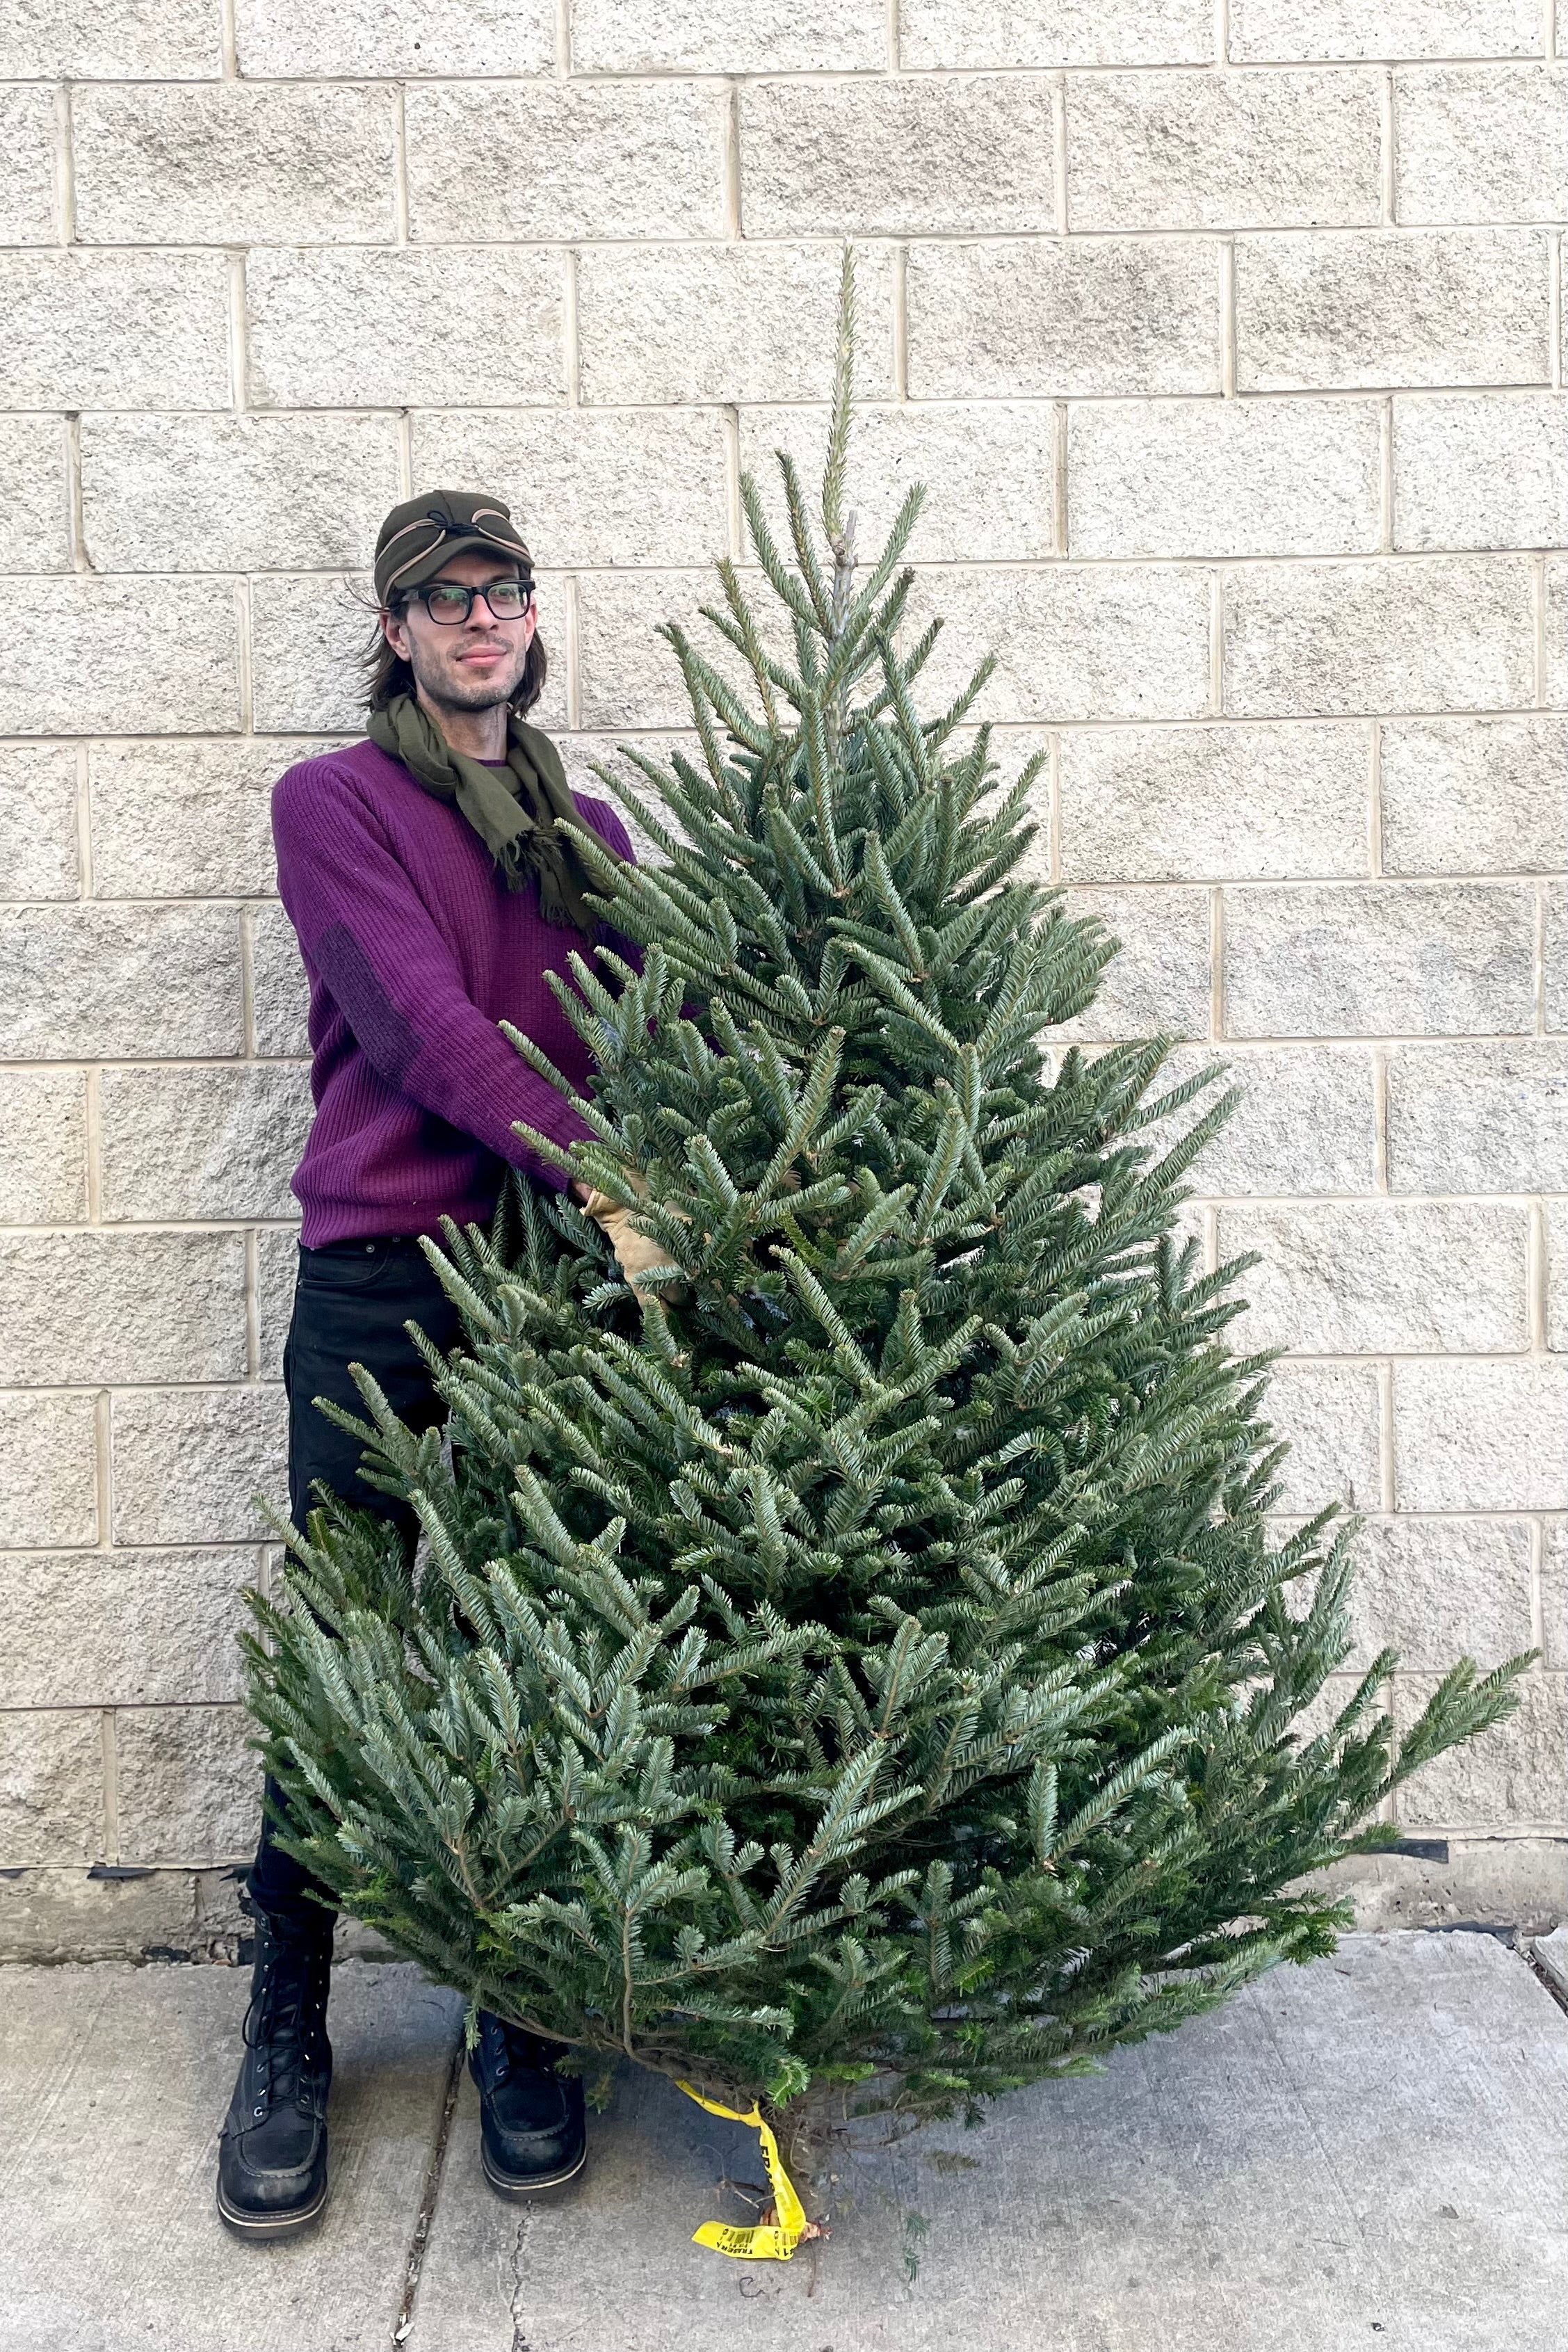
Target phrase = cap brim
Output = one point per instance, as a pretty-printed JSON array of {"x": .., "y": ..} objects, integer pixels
[{"x": 421, "y": 568}]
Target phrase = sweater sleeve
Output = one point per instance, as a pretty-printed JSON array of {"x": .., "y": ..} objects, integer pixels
[{"x": 367, "y": 930}]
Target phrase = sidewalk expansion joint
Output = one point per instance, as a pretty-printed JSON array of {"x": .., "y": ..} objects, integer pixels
[
  {"x": 414, "y": 2263},
  {"x": 519, "y": 2345}
]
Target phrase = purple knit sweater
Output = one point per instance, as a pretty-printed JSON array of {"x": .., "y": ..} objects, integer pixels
[{"x": 415, "y": 950}]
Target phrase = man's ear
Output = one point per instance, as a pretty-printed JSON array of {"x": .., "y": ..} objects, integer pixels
[{"x": 395, "y": 633}]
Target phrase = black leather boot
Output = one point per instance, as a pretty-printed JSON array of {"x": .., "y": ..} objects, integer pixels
[
  {"x": 532, "y": 2132},
  {"x": 272, "y": 2159}
]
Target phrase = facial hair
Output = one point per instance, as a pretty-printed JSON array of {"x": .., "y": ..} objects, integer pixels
[{"x": 446, "y": 692}]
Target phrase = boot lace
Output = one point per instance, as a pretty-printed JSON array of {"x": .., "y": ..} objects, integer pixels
[
  {"x": 504, "y": 2049},
  {"x": 283, "y": 2023}
]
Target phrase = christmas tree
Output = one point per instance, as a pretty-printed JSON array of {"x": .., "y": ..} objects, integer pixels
[{"x": 852, "y": 1664}]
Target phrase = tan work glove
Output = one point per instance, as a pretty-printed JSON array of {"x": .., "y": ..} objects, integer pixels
[{"x": 635, "y": 1252}]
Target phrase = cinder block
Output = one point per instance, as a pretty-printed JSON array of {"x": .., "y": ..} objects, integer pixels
[
  {"x": 550, "y": 710},
  {"x": 235, "y": 164},
  {"x": 51, "y": 1788},
  {"x": 235, "y": 494},
  {"x": 1330, "y": 1414},
  {"x": 1471, "y": 469},
  {"x": 90, "y": 1306},
  {"x": 1213, "y": 804},
  {"x": 1072, "y": 641},
  {"x": 187, "y": 820},
  {"x": 1554, "y": 978},
  {"x": 1478, "y": 1119},
  {"x": 627, "y": 674},
  {"x": 1389, "y": 960},
  {"x": 1554, "y": 670},
  {"x": 855, "y": 158},
  {"x": 35, "y": 498},
  {"x": 202, "y": 1143},
  {"x": 1055, "y": 33},
  {"x": 1046, "y": 318},
  {"x": 1383, "y": 28},
  {"x": 138, "y": 982},
  {"x": 590, "y": 485},
  {"x": 127, "y": 656},
  {"x": 1480, "y": 142},
  {"x": 112, "y": 40},
  {"x": 1159, "y": 978},
  {"x": 989, "y": 471},
  {"x": 190, "y": 1787},
  {"x": 309, "y": 635},
  {"x": 404, "y": 329},
  {"x": 1248, "y": 150},
  {"x": 1448, "y": 632},
  {"x": 43, "y": 1117},
  {"x": 1223, "y": 477},
  {"x": 280, "y": 995},
  {"x": 1475, "y": 795},
  {"x": 1436, "y": 1588},
  {"x": 725, "y": 322},
  {"x": 1557, "y": 1276},
  {"x": 1385, "y": 308},
  {"x": 98, "y": 1630},
  {"x": 87, "y": 329},
  {"x": 360, "y": 38},
  {"x": 729, "y": 36},
  {"x": 187, "y": 1461},
  {"x": 50, "y": 1915},
  {"x": 277, "y": 1263},
  {"x": 591, "y": 159},
  {"x": 1340, "y": 1278},
  {"x": 1304, "y": 1123},
  {"x": 1512, "y": 1776},
  {"x": 1554, "y": 1596},
  {"x": 1482, "y": 1436},
  {"x": 38, "y": 820},
  {"x": 27, "y": 141},
  {"x": 49, "y": 1477}
]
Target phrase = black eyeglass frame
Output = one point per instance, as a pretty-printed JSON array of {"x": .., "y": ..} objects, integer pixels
[{"x": 461, "y": 587}]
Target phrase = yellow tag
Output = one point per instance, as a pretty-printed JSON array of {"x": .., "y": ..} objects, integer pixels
[{"x": 766, "y": 2241}]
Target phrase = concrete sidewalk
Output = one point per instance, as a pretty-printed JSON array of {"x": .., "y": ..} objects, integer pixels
[{"x": 1373, "y": 2150}]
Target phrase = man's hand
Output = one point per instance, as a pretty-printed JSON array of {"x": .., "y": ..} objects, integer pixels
[{"x": 635, "y": 1252}]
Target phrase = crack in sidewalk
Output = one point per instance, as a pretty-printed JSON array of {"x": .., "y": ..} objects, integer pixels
[
  {"x": 518, "y": 2342},
  {"x": 414, "y": 2263}
]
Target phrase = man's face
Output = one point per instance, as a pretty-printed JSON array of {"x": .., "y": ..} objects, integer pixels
[{"x": 479, "y": 662}]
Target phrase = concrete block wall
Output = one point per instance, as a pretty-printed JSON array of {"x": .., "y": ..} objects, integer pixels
[{"x": 1229, "y": 341}]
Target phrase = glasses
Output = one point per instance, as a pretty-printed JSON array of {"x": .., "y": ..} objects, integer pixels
[{"x": 449, "y": 603}]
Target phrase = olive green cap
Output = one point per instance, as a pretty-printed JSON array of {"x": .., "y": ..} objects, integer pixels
[{"x": 423, "y": 533}]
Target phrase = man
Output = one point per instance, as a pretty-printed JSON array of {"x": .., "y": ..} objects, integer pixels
[{"x": 433, "y": 890}]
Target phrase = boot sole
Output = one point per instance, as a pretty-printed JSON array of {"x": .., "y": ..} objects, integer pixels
[
  {"x": 517, "y": 2193},
  {"x": 283, "y": 2224}
]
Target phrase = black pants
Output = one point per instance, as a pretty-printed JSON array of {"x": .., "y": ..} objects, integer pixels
[{"x": 350, "y": 1302}]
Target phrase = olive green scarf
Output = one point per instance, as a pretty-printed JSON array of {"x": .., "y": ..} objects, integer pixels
[{"x": 512, "y": 809}]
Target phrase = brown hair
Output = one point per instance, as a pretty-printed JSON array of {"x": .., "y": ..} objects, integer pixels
[{"x": 388, "y": 675}]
